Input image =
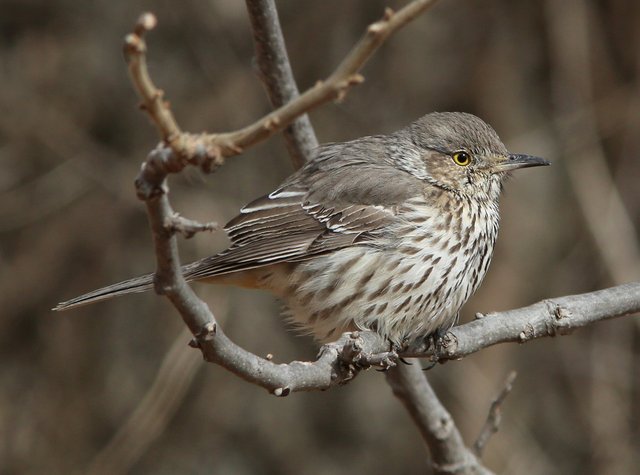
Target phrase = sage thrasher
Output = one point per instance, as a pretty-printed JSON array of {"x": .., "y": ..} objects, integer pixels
[{"x": 391, "y": 233}]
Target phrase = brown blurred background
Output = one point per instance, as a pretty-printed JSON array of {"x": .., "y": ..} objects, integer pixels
[{"x": 113, "y": 388}]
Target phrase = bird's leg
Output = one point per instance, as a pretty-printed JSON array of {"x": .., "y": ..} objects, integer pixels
[
  {"x": 356, "y": 359},
  {"x": 436, "y": 343},
  {"x": 398, "y": 347}
]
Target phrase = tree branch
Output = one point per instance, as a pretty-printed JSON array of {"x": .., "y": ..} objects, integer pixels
[
  {"x": 208, "y": 151},
  {"x": 550, "y": 317},
  {"x": 277, "y": 76},
  {"x": 448, "y": 451},
  {"x": 337, "y": 363}
]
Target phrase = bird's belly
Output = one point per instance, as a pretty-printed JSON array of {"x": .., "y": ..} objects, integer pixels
[{"x": 399, "y": 293}]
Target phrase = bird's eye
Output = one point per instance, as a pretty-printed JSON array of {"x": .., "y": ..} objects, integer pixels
[{"x": 462, "y": 158}]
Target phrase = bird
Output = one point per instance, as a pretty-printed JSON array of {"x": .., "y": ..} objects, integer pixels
[{"x": 389, "y": 233}]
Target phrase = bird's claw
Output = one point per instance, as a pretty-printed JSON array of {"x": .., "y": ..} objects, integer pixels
[{"x": 436, "y": 344}]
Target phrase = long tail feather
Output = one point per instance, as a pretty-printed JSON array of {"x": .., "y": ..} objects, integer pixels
[
  {"x": 137, "y": 284},
  {"x": 199, "y": 270}
]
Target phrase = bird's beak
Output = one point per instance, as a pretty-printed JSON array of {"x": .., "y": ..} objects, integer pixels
[{"x": 514, "y": 161}]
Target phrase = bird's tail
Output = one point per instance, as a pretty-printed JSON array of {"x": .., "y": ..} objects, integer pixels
[
  {"x": 137, "y": 284},
  {"x": 204, "y": 269}
]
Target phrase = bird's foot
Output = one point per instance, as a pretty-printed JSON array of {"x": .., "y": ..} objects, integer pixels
[
  {"x": 354, "y": 356},
  {"x": 435, "y": 342}
]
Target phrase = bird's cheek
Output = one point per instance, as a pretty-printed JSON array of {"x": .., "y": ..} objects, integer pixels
[{"x": 469, "y": 179}]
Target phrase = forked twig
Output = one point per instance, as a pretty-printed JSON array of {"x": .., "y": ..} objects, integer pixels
[
  {"x": 494, "y": 417},
  {"x": 208, "y": 150}
]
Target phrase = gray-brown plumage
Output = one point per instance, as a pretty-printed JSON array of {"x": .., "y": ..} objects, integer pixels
[{"x": 391, "y": 232}]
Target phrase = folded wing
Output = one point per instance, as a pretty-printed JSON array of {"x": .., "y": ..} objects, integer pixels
[{"x": 286, "y": 226}]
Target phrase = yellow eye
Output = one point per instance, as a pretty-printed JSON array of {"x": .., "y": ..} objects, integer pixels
[{"x": 462, "y": 158}]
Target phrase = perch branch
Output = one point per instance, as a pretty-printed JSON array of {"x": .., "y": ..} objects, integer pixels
[
  {"x": 551, "y": 317},
  {"x": 342, "y": 360}
]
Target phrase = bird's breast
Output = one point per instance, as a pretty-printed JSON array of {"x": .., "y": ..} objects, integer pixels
[{"x": 410, "y": 283}]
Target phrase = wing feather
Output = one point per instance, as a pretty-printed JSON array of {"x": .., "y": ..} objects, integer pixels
[{"x": 348, "y": 206}]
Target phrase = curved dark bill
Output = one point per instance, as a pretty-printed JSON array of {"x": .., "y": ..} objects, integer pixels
[
  {"x": 514, "y": 161},
  {"x": 518, "y": 160}
]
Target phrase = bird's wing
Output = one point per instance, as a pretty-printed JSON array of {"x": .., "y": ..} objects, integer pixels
[
  {"x": 341, "y": 198},
  {"x": 285, "y": 226}
]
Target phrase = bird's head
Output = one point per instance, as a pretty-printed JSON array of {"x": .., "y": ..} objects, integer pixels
[{"x": 461, "y": 153}]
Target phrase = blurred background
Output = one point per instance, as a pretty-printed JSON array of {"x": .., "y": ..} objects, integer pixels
[{"x": 113, "y": 388}]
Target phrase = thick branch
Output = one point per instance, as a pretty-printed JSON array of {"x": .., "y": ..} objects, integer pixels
[
  {"x": 277, "y": 76},
  {"x": 448, "y": 452},
  {"x": 547, "y": 318},
  {"x": 551, "y": 317}
]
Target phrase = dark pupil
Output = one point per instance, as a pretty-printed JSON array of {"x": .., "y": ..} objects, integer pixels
[{"x": 462, "y": 157}]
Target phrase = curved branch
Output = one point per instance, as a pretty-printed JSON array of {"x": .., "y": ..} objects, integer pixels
[
  {"x": 338, "y": 362},
  {"x": 341, "y": 361},
  {"x": 208, "y": 151}
]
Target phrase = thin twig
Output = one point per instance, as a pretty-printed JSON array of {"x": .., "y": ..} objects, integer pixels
[
  {"x": 135, "y": 50},
  {"x": 494, "y": 417},
  {"x": 188, "y": 227},
  {"x": 277, "y": 76},
  {"x": 335, "y": 86}
]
